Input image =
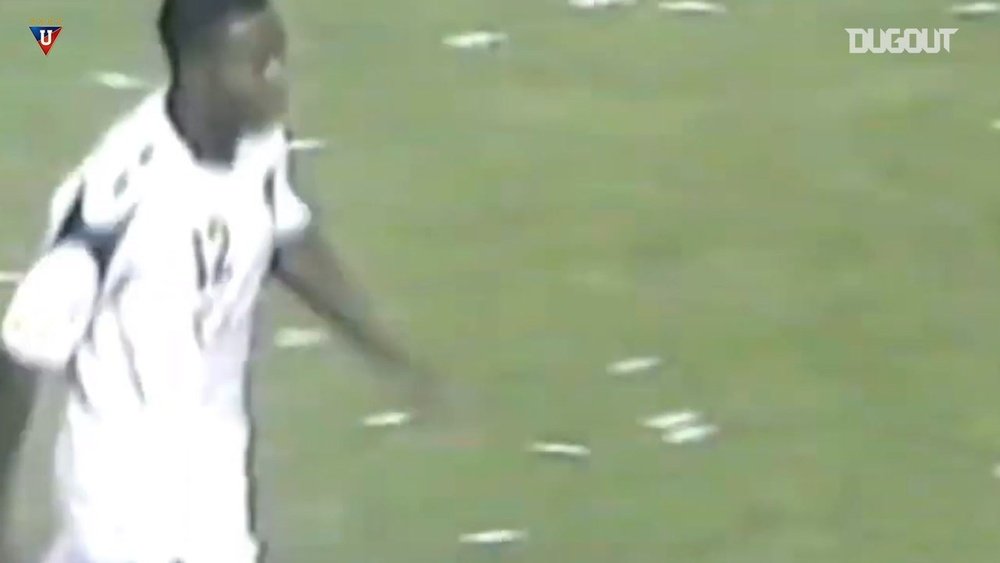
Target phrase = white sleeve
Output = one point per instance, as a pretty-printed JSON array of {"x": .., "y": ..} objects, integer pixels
[
  {"x": 292, "y": 216},
  {"x": 98, "y": 189}
]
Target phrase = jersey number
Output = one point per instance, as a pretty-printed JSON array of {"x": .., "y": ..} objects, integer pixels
[
  {"x": 211, "y": 254},
  {"x": 212, "y": 267}
]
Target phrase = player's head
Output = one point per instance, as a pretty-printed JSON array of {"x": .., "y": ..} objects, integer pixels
[{"x": 231, "y": 51}]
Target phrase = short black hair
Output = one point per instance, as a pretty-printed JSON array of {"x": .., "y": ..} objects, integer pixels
[{"x": 188, "y": 25}]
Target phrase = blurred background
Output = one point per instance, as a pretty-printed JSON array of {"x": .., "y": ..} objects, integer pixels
[{"x": 808, "y": 240}]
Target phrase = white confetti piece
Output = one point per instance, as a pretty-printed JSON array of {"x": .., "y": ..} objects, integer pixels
[
  {"x": 559, "y": 449},
  {"x": 600, "y": 4},
  {"x": 689, "y": 434},
  {"x": 11, "y": 277},
  {"x": 476, "y": 40},
  {"x": 693, "y": 7},
  {"x": 995, "y": 124},
  {"x": 120, "y": 81},
  {"x": 634, "y": 365},
  {"x": 671, "y": 420},
  {"x": 975, "y": 9},
  {"x": 299, "y": 337},
  {"x": 494, "y": 537},
  {"x": 996, "y": 471},
  {"x": 600, "y": 281},
  {"x": 307, "y": 145},
  {"x": 387, "y": 419}
]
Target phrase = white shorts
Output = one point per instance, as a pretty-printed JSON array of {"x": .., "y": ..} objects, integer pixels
[{"x": 153, "y": 489}]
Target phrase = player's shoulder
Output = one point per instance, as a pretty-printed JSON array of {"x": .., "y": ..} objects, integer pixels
[
  {"x": 106, "y": 177},
  {"x": 272, "y": 144},
  {"x": 131, "y": 137}
]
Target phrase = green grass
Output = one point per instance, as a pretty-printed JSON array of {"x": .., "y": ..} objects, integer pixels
[{"x": 810, "y": 237}]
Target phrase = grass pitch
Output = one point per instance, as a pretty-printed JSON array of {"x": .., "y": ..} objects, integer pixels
[{"x": 809, "y": 237}]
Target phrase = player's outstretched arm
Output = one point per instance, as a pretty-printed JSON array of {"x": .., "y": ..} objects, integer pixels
[{"x": 311, "y": 270}]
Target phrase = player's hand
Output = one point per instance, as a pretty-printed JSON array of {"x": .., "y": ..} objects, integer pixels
[{"x": 423, "y": 394}]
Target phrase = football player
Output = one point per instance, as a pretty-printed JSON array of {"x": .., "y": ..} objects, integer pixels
[{"x": 186, "y": 208}]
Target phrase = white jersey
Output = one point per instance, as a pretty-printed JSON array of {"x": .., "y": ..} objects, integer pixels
[{"x": 153, "y": 451}]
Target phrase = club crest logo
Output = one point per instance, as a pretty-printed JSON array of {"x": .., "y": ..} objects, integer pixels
[{"x": 46, "y": 32}]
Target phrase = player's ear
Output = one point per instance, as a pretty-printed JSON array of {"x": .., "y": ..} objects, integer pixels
[{"x": 274, "y": 71}]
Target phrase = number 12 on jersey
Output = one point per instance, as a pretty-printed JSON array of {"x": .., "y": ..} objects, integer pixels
[
  {"x": 211, "y": 254},
  {"x": 212, "y": 269}
]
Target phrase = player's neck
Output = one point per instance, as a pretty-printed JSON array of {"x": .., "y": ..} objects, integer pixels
[{"x": 212, "y": 136}]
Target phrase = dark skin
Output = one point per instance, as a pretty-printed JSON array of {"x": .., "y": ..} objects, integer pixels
[
  {"x": 237, "y": 86},
  {"x": 221, "y": 92},
  {"x": 17, "y": 391}
]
